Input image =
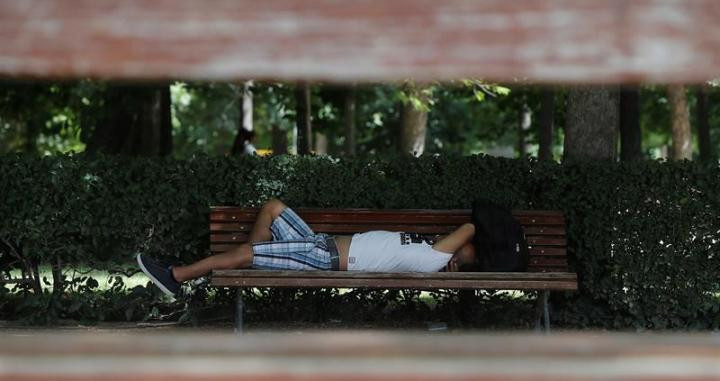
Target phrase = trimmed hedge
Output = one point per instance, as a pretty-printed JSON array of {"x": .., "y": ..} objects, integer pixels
[{"x": 644, "y": 237}]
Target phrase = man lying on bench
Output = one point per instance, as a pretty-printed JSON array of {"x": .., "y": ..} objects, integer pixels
[{"x": 281, "y": 240}]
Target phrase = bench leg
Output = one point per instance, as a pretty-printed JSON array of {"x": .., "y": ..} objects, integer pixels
[
  {"x": 239, "y": 309},
  {"x": 542, "y": 312}
]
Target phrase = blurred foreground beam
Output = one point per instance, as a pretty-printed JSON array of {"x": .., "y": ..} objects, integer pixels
[
  {"x": 358, "y": 356},
  {"x": 363, "y": 40}
]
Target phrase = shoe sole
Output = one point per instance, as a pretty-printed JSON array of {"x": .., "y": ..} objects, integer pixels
[{"x": 153, "y": 279}]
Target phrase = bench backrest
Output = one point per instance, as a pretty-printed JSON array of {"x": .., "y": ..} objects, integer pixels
[{"x": 545, "y": 230}]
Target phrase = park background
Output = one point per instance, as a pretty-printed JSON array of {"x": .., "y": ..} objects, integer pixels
[
  {"x": 122, "y": 122},
  {"x": 97, "y": 171}
]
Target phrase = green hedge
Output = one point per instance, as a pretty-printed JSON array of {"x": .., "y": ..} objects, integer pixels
[{"x": 643, "y": 237}]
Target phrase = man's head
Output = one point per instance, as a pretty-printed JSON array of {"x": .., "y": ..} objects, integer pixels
[{"x": 464, "y": 259}]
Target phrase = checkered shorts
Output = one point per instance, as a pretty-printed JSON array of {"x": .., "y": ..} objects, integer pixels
[{"x": 294, "y": 246}]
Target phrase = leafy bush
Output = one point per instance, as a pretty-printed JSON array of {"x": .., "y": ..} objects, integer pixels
[{"x": 643, "y": 237}]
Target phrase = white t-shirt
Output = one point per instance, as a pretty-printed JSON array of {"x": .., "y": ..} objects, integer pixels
[{"x": 383, "y": 251}]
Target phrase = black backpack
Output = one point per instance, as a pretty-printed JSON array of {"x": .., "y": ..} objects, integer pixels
[{"x": 499, "y": 238}]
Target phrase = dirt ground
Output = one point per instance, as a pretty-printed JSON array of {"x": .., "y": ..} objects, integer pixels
[{"x": 222, "y": 327}]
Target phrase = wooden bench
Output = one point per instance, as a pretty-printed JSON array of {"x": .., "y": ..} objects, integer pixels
[
  {"x": 545, "y": 232},
  {"x": 91, "y": 354}
]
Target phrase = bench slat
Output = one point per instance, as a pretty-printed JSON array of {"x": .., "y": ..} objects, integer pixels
[
  {"x": 420, "y": 284},
  {"x": 515, "y": 276},
  {"x": 544, "y": 250},
  {"x": 546, "y": 269},
  {"x": 367, "y": 211},
  {"x": 344, "y": 228},
  {"x": 544, "y": 230},
  {"x": 450, "y": 219},
  {"x": 533, "y": 251},
  {"x": 411, "y": 216},
  {"x": 395, "y": 227},
  {"x": 540, "y": 261},
  {"x": 365, "y": 355},
  {"x": 238, "y": 238},
  {"x": 454, "y": 222},
  {"x": 226, "y": 237},
  {"x": 268, "y": 278},
  {"x": 220, "y": 236},
  {"x": 545, "y": 241},
  {"x": 229, "y": 228}
]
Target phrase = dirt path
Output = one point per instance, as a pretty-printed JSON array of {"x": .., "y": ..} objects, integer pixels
[{"x": 221, "y": 327}]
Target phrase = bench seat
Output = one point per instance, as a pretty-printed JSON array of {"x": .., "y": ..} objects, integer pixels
[{"x": 428, "y": 281}]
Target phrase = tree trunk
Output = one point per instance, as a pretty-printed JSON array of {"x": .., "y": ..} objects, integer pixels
[
  {"x": 36, "y": 281},
  {"x": 110, "y": 133},
  {"x": 166, "y": 142},
  {"x": 414, "y": 122},
  {"x": 279, "y": 140},
  {"x": 26, "y": 266},
  {"x": 681, "y": 148},
  {"x": 154, "y": 124},
  {"x": 32, "y": 130},
  {"x": 545, "y": 122},
  {"x": 143, "y": 136},
  {"x": 524, "y": 122},
  {"x": 321, "y": 143},
  {"x": 247, "y": 106},
  {"x": 137, "y": 122},
  {"x": 58, "y": 281},
  {"x": 349, "y": 114},
  {"x": 592, "y": 123},
  {"x": 703, "y": 124},
  {"x": 303, "y": 121},
  {"x": 245, "y": 134},
  {"x": 630, "y": 133}
]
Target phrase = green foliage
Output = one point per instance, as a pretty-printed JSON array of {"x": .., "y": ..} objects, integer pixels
[
  {"x": 482, "y": 89},
  {"x": 417, "y": 96},
  {"x": 644, "y": 237},
  {"x": 205, "y": 117},
  {"x": 467, "y": 117},
  {"x": 453, "y": 123},
  {"x": 459, "y": 124},
  {"x": 655, "y": 121},
  {"x": 44, "y": 118},
  {"x": 378, "y": 119}
]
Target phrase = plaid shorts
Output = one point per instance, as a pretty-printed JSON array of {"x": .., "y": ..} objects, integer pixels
[{"x": 294, "y": 246}]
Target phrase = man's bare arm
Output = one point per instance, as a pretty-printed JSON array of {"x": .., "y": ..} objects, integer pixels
[{"x": 455, "y": 240}]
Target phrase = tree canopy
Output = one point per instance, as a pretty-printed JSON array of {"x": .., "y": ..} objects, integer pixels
[{"x": 463, "y": 117}]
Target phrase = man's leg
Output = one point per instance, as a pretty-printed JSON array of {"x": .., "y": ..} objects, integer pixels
[
  {"x": 304, "y": 254},
  {"x": 169, "y": 278},
  {"x": 265, "y": 217},
  {"x": 238, "y": 258}
]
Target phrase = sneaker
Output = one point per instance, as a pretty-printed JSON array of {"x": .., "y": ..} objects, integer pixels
[{"x": 159, "y": 274}]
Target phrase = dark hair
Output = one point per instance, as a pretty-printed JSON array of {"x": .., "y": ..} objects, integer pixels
[{"x": 471, "y": 267}]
